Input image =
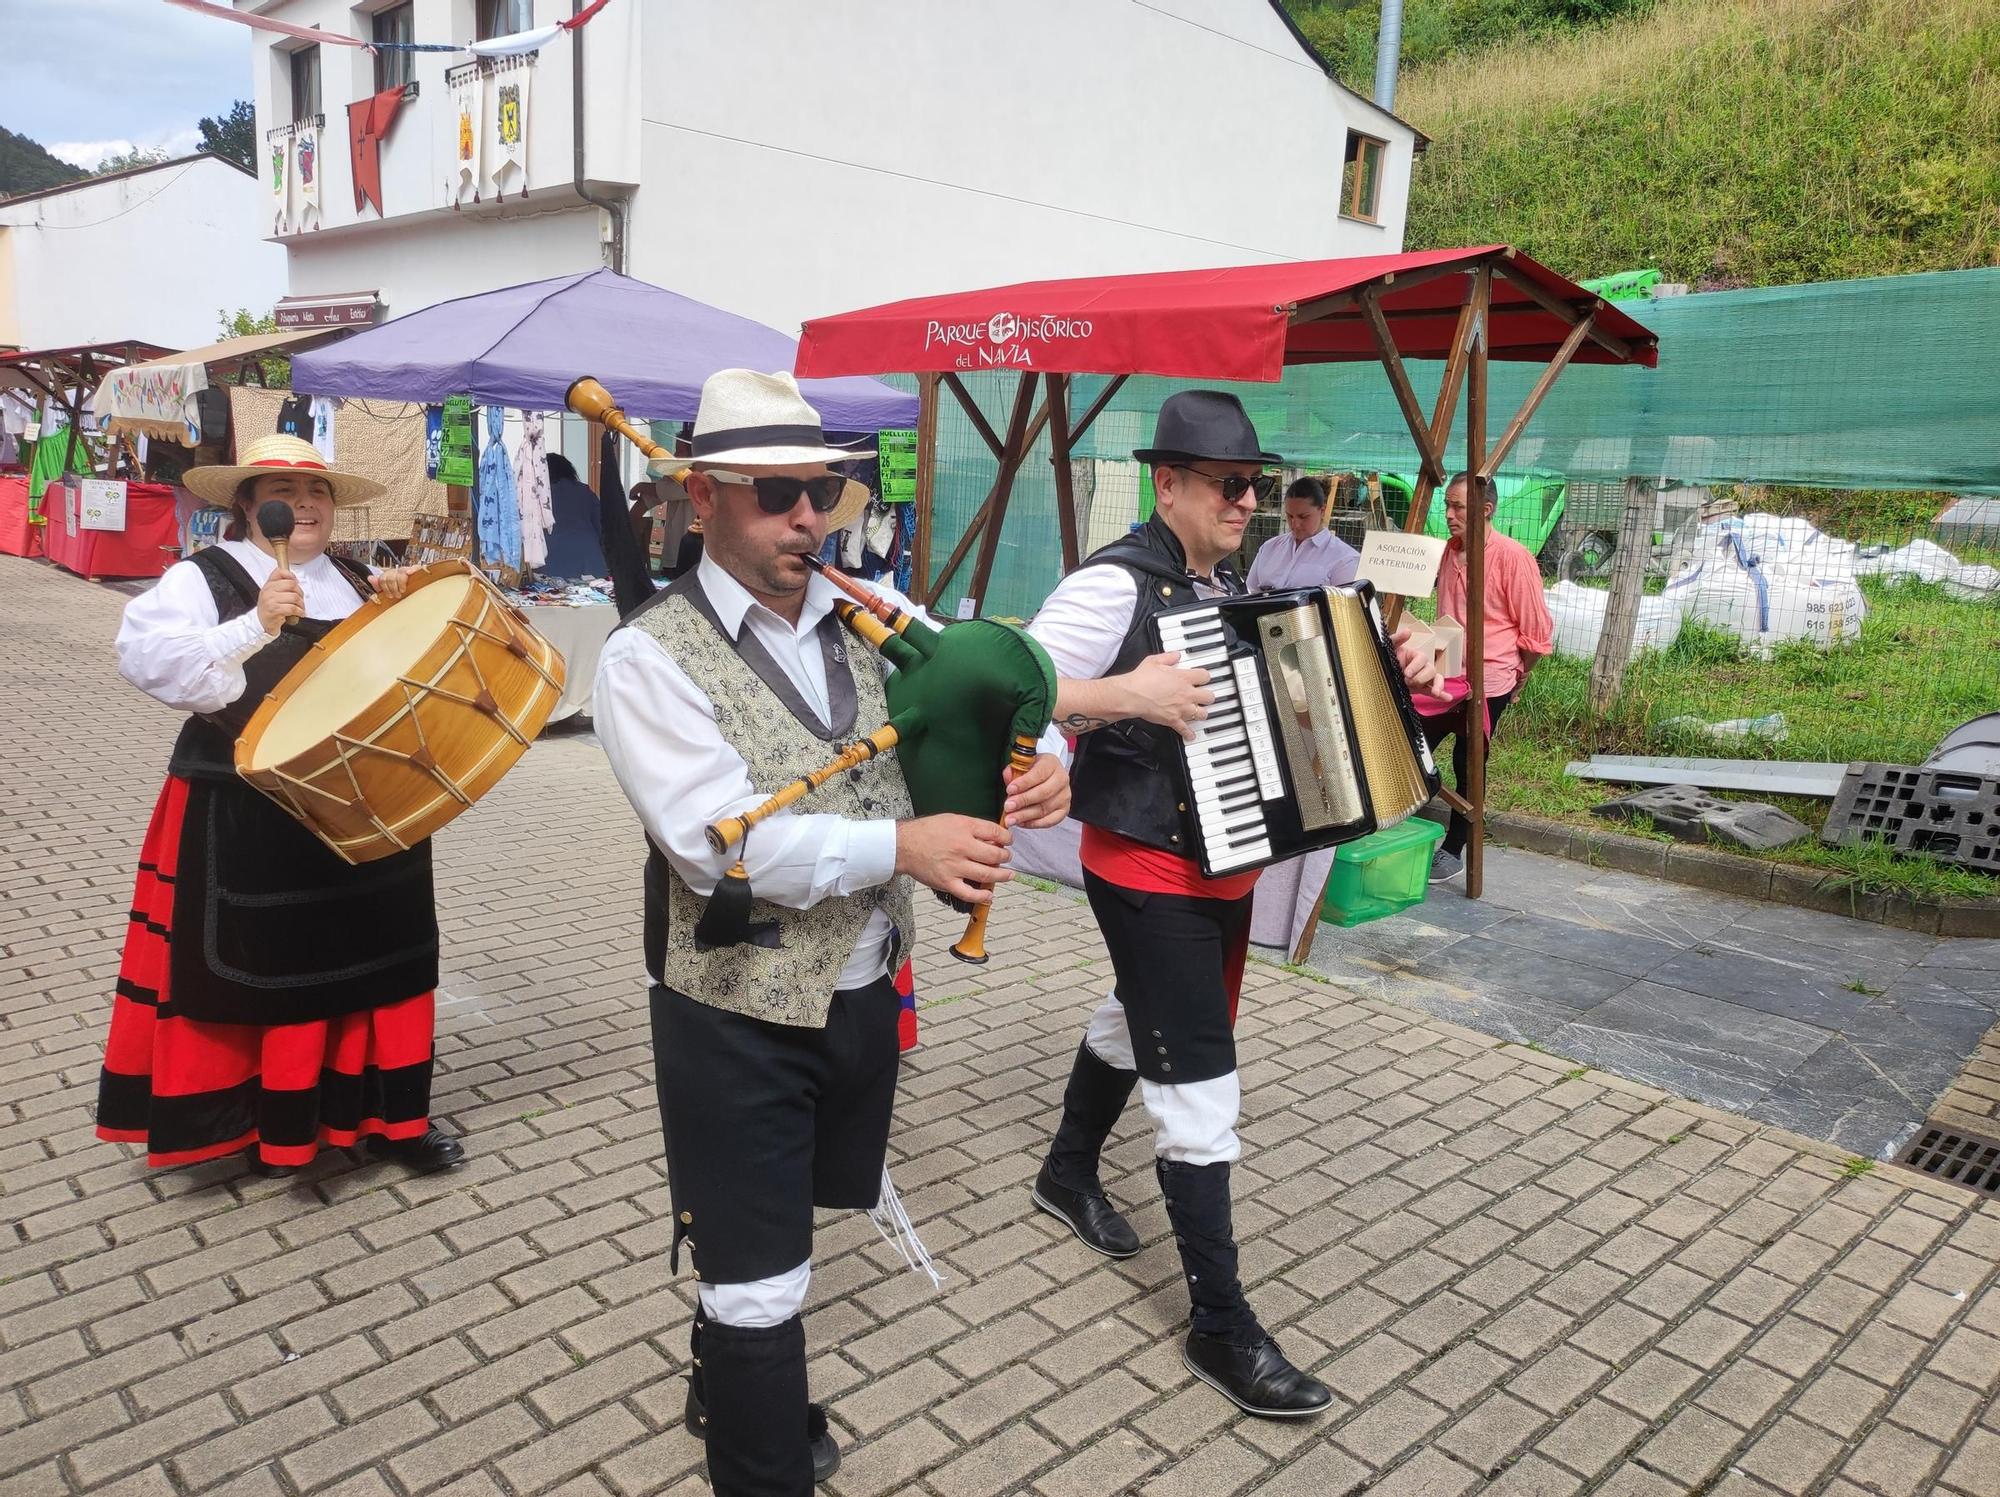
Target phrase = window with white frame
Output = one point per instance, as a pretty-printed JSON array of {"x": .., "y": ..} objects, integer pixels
[
  {"x": 304, "y": 65},
  {"x": 504, "y": 17}
]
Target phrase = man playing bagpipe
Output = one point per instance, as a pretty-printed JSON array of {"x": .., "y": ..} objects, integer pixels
[
  {"x": 774, "y": 1019},
  {"x": 1177, "y": 939}
]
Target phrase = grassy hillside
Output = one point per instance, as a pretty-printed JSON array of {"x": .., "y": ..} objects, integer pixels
[
  {"x": 26, "y": 167},
  {"x": 1728, "y": 142}
]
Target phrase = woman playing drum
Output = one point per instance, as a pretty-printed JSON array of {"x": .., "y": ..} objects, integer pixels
[{"x": 272, "y": 997}]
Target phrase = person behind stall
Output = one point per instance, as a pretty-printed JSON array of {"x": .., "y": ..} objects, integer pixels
[
  {"x": 1519, "y": 632},
  {"x": 272, "y": 999},
  {"x": 1307, "y": 554},
  {"x": 574, "y": 547}
]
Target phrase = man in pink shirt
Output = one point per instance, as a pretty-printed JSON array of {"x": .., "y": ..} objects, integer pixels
[{"x": 1519, "y": 632}]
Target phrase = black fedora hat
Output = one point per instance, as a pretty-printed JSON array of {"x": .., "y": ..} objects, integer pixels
[{"x": 1204, "y": 426}]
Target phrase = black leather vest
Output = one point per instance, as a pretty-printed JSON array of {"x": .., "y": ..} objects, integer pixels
[
  {"x": 1129, "y": 777},
  {"x": 206, "y": 747}
]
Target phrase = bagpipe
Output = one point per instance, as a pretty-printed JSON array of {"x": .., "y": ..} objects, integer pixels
[{"x": 967, "y": 701}]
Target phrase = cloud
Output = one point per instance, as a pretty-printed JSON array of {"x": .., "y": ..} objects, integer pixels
[{"x": 90, "y": 154}]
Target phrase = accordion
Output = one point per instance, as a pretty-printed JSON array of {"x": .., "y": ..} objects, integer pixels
[{"x": 1311, "y": 740}]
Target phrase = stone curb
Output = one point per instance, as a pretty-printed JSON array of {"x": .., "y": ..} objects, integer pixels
[{"x": 1754, "y": 878}]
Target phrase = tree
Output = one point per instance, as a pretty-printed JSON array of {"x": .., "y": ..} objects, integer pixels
[
  {"x": 129, "y": 160},
  {"x": 233, "y": 135},
  {"x": 243, "y": 323}
]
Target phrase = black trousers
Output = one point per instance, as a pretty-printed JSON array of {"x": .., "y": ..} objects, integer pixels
[
  {"x": 1179, "y": 964},
  {"x": 764, "y": 1122},
  {"x": 1452, "y": 725}
]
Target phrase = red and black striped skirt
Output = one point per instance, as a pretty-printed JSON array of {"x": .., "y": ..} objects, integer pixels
[{"x": 190, "y": 1090}]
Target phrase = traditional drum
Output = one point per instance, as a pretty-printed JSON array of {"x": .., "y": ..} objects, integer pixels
[{"x": 403, "y": 715}]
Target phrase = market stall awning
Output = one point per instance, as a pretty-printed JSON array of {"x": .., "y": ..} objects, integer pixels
[
  {"x": 156, "y": 398},
  {"x": 56, "y": 371},
  {"x": 1243, "y": 322},
  {"x": 523, "y": 346}
]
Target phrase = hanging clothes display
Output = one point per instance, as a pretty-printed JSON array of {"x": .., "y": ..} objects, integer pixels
[
  {"x": 499, "y": 510},
  {"x": 322, "y": 409},
  {"x": 466, "y": 131},
  {"x": 51, "y": 461},
  {"x": 531, "y": 482},
  {"x": 278, "y": 155},
  {"x": 305, "y": 155},
  {"x": 507, "y": 117}
]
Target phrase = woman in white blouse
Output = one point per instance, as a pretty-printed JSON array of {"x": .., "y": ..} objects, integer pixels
[{"x": 272, "y": 998}]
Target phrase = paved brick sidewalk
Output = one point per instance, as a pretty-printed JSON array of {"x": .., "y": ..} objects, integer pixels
[{"x": 1517, "y": 1279}]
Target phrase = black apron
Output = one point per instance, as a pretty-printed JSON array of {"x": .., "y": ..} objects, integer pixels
[{"x": 270, "y": 926}]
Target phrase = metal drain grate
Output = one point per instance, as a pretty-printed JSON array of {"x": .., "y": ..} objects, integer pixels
[{"x": 1962, "y": 1158}]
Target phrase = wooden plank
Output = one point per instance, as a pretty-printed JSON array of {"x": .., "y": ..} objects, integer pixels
[
  {"x": 1474, "y": 727},
  {"x": 1399, "y": 381},
  {"x": 1535, "y": 396},
  {"x": 973, "y": 414},
  {"x": 1761, "y": 776},
  {"x": 1003, "y": 488},
  {"x": 1568, "y": 313},
  {"x": 976, "y": 530},
  {"x": 1096, "y": 409},
  {"x": 1407, "y": 280},
  {"x": 1442, "y": 410},
  {"x": 1059, "y": 448},
  {"x": 925, "y": 500},
  {"x": 1621, "y": 611}
]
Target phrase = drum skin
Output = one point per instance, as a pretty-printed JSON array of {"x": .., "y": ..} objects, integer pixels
[{"x": 404, "y": 715}]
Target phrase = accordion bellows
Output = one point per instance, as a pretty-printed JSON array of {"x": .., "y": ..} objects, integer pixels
[{"x": 1312, "y": 740}]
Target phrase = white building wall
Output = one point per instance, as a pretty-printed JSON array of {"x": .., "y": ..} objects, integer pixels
[
  {"x": 901, "y": 147},
  {"x": 800, "y": 158},
  {"x": 158, "y": 255},
  {"x": 429, "y": 245}
]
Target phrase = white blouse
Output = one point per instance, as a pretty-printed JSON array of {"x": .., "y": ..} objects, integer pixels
[{"x": 171, "y": 646}]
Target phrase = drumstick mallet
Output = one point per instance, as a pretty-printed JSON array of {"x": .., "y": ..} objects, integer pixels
[{"x": 275, "y": 520}]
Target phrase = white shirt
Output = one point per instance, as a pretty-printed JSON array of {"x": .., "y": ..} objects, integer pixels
[
  {"x": 171, "y": 646},
  {"x": 1320, "y": 560},
  {"x": 1083, "y": 623},
  {"x": 659, "y": 731}
]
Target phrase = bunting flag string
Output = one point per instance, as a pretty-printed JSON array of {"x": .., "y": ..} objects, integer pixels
[{"x": 498, "y": 46}]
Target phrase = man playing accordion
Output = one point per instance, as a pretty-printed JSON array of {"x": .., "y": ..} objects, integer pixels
[{"x": 1177, "y": 939}]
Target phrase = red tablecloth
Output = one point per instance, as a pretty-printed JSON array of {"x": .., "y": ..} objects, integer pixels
[
  {"x": 17, "y": 536},
  {"x": 146, "y": 547}
]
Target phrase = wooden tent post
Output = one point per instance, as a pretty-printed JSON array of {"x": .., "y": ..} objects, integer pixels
[
  {"x": 995, "y": 497},
  {"x": 1018, "y": 443},
  {"x": 926, "y": 489},
  {"x": 1059, "y": 443},
  {"x": 1474, "y": 729}
]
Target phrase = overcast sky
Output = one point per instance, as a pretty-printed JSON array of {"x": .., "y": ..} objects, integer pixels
[{"x": 93, "y": 78}]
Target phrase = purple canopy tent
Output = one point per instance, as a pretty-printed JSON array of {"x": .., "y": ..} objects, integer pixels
[{"x": 523, "y": 346}]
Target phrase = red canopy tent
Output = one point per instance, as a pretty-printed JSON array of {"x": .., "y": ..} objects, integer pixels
[{"x": 1464, "y": 306}]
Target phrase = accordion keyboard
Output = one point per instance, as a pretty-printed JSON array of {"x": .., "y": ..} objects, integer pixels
[
  {"x": 1311, "y": 740},
  {"x": 1232, "y": 763}
]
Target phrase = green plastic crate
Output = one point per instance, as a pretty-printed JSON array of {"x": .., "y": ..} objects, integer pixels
[{"x": 1381, "y": 873}]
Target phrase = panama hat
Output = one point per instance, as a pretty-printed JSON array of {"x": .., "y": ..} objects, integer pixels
[
  {"x": 217, "y": 483},
  {"x": 747, "y": 417}
]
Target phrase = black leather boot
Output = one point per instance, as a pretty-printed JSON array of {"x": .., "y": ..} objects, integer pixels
[
  {"x": 1226, "y": 1347},
  {"x": 745, "y": 1467},
  {"x": 1068, "y": 1188},
  {"x": 435, "y": 1150}
]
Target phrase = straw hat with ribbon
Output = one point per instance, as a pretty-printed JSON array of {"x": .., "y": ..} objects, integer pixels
[
  {"x": 748, "y": 418},
  {"x": 218, "y": 482}
]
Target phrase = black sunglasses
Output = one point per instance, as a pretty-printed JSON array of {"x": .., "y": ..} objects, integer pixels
[
  {"x": 1235, "y": 485},
  {"x": 776, "y": 496}
]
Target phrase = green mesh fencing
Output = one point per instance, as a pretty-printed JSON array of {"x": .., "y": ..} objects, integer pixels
[
  {"x": 1883, "y": 384},
  {"x": 1859, "y": 407}
]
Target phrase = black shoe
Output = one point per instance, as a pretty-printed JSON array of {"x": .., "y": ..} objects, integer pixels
[
  {"x": 426, "y": 1156},
  {"x": 1257, "y": 1379},
  {"x": 1091, "y": 1216},
  {"x": 825, "y": 1454},
  {"x": 270, "y": 1171}
]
